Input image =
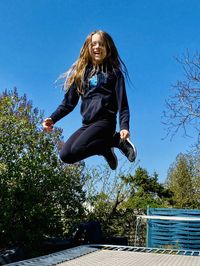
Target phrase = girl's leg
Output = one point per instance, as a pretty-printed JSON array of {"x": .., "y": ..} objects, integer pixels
[
  {"x": 93, "y": 139},
  {"x": 66, "y": 150}
]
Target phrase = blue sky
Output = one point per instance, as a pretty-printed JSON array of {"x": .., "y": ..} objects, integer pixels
[{"x": 40, "y": 39}]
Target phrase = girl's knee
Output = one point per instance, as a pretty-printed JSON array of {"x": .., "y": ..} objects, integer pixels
[
  {"x": 66, "y": 157},
  {"x": 73, "y": 156}
]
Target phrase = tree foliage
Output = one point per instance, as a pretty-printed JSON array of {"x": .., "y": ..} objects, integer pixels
[
  {"x": 183, "y": 181},
  {"x": 146, "y": 190},
  {"x": 39, "y": 196},
  {"x": 116, "y": 200}
]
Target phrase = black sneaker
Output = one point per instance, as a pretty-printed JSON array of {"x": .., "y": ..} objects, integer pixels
[
  {"x": 111, "y": 159},
  {"x": 128, "y": 149}
]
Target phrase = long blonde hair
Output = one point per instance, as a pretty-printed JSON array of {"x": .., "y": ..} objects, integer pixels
[{"x": 77, "y": 71}]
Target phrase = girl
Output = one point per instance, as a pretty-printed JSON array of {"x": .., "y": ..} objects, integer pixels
[{"x": 97, "y": 78}]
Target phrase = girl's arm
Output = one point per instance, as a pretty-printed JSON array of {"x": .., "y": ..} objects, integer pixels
[
  {"x": 123, "y": 107},
  {"x": 68, "y": 104}
]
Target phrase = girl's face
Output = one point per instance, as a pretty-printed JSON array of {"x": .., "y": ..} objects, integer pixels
[{"x": 97, "y": 49}]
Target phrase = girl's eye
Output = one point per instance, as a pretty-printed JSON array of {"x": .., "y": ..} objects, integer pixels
[{"x": 95, "y": 43}]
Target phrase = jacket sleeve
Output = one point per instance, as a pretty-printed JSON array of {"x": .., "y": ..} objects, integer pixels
[
  {"x": 68, "y": 104},
  {"x": 122, "y": 101}
]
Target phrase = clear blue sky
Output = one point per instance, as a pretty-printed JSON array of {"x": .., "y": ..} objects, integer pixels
[{"x": 40, "y": 39}]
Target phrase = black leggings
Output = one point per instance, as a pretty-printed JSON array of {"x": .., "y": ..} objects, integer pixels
[{"x": 93, "y": 139}]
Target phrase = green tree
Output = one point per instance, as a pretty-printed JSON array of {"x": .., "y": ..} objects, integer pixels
[
  {"x": 117, "y": 200},
  {"x": 183, "y": 181},
  {"x": 39, "y": 196},
  {"x": 146, "y": 190}
]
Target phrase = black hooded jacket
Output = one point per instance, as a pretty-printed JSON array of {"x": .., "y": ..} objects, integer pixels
[{"x": 105, "y": 96}]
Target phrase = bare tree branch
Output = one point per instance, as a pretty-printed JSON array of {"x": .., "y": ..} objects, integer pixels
[{"x": 182, "y": 108}]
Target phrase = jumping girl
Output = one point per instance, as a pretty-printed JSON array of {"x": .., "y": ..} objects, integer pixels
[{"x": 97, "y": 77}]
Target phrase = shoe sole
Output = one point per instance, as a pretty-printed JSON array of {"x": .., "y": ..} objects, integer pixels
[{"x": 134, "y": 148}]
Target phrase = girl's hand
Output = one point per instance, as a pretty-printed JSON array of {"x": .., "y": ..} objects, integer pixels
[
  {"x": 124, "y": 134},
  {"x": 48, "y": 124}
]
